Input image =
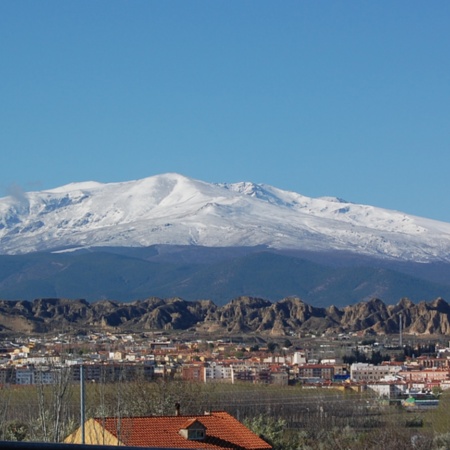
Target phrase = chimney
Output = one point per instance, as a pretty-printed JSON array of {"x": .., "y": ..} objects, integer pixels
[{"x": 177, "y": 409}]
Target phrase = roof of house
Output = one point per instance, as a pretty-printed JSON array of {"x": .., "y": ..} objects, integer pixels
[{"x": 223, "y": 431}]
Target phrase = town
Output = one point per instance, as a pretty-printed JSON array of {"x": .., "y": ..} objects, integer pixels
[
  {"x": 293, "y": 388},
  {"x": 345, "y": 361}
]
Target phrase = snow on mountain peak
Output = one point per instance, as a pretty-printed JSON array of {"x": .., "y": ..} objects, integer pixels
[
  {"x": 173, "y": 209},
  {"x": 254, "y": 190},
  {"x": 333, "y": 199},
  {"x": 80, "y": 186}
]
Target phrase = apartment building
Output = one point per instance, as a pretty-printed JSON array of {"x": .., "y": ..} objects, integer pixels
[{"x": 364, "y": 372}]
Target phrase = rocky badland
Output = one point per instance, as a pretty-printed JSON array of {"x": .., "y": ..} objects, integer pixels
[{"x": 289, "y": 316}]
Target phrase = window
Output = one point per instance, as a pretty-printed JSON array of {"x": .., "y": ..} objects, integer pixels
[{"x": 196, "y": 435}]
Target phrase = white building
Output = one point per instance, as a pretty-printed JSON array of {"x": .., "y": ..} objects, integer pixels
[
  {"x": 368, "y": 372},
  {"x": 218, "y": 372},
  {"x": 388, "y": 389},
  {"x": 49, "y": 360},
  {"x": 299, "y": 358}
]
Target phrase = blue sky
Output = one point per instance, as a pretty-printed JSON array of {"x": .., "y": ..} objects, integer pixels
[{"x": 338, "y": 98}]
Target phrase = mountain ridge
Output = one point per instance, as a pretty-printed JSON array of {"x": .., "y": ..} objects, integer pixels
[
  {"x": 124, "y": 274},
  {"x": 169, "y": 235},
  {"x": 287, "y": 317},
  {"x": 172, "y": 209}
]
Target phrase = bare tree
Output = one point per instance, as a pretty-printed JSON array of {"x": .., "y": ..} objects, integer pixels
[{"x": 53, "y": 395}]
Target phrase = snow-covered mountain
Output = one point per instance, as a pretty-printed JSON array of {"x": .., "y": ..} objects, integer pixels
[{"x": 173, "y": 209}]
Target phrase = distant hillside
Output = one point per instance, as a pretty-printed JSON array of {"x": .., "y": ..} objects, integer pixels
[
  {"x": 241, "y": 315},
  {"x": 213, "y": 274}
]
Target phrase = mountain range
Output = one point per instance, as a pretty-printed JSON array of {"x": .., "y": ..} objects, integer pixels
[{"x": 169, "y": 235}]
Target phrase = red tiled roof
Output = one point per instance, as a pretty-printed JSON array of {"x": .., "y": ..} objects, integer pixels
[
  {"x": 223, "y": 432},
  {"x": 189, "y": 422}
]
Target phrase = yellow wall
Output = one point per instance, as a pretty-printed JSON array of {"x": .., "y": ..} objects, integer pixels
[{"x": 94, "y": 433}]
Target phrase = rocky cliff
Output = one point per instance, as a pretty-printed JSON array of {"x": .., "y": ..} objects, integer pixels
[{"x": 241, "y": 315}]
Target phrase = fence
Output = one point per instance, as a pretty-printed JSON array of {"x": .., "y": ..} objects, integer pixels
[{"x": 50, "y": 409}]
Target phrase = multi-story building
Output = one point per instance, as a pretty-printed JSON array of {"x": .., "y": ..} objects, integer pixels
[
  {"x": 193, "y": 372},
  {"x": 218, "y": 372},
  {"x": 368, "y": 372},
  {"x": 317, "y": 371},
  {"x": 109, "y": 373},
  {"x": 425, "y": 375},
  {"x": 46, "y": 375},
  {"x": 7, "y": 375},
  {"x": 25, "y": 375}
]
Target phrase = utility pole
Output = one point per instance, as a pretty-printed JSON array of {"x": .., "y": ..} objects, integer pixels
[
  {"x": 400, "y": 329},
  {"x": 82, "y": 409}
]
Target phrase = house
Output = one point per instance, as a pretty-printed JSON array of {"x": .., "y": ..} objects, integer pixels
[{"x": 214, "y": 430}]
